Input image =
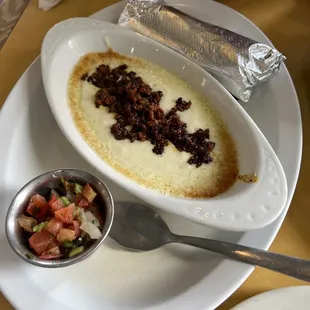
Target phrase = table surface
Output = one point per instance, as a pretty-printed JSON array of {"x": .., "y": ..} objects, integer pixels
[{"x": 285, "y": 22}]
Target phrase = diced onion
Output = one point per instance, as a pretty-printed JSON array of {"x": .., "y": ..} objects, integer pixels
[
  {"x": 91, "y": 218},
  {"x": 91, "y": 229}
]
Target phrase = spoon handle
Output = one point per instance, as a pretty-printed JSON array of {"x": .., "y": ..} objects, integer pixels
[{"x": 291, "y": 266}]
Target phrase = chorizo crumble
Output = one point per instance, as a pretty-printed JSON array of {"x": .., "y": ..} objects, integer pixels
[{"x": 139, "y": 116}]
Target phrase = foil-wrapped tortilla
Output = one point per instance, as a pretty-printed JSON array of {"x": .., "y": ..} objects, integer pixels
[{"x": 238, "y": 63}]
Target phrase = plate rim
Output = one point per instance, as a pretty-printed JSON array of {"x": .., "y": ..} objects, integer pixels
[
  {"x": 272, "y": 230},
  {"x": 264, "y": 294}
]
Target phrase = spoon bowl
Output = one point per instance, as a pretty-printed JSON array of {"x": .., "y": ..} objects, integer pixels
[{"x": 145, "y": 232}]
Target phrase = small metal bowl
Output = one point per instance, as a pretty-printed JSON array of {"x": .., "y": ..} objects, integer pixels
[{"x": 42, "y": 184}]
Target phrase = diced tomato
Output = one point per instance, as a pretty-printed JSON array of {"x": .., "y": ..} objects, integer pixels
[
  {"x": 83, "y": 203},
  {"x": 65, "y": 215},
  {"x": 65, "y": 235},
  {"x": 37, "y": 207},
  {"x": 89, "y": 193},
  {"x": 53, "y": 226},
  {"x": 53, "y": 197},
  {"x": 53, "y": 252},
  {"x": 97, "y": 214},
  {"x": 76, "y": 228},
  {"x": 41, "y": 241},
  {"x": 39, "y": 201},
  {"x": 53, "y": 244},
  {"x": 57, "y": 205}
]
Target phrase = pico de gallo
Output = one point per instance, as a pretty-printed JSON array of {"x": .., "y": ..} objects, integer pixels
[{"x": 65, "y": 223}]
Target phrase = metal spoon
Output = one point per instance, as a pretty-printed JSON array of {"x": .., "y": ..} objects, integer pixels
[{"x": 140, "y": 228}]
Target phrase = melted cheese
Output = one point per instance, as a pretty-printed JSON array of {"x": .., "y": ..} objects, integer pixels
[{"x": 168, "y": 173}]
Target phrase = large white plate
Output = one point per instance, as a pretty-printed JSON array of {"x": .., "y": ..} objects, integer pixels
[
  {"x": 287, "y": 298},
  {"x": 170, "y": 278}
]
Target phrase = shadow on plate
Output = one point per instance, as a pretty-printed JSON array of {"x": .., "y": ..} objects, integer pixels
[{"x": 8, "y": 258}]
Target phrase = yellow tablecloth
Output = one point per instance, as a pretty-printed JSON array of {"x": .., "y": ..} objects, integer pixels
[{"x": 285, "y": 22}]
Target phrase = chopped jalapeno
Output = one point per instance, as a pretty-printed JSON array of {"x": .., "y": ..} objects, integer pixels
[
  {"x": 29, "y": 256},
  {"x": 78, "y": 188},
  {"x": 76, "y": 251},
  {"x": 65, "y": 200},
  {"x": 68, "y": 244},
  {"x": 39, "y": 227}
]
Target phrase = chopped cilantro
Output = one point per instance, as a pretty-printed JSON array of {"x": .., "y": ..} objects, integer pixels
[{"x": 29, "y": 256}]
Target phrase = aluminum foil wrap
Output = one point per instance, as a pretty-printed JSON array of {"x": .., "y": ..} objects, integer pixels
[{"x": 238, "y": 63}]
